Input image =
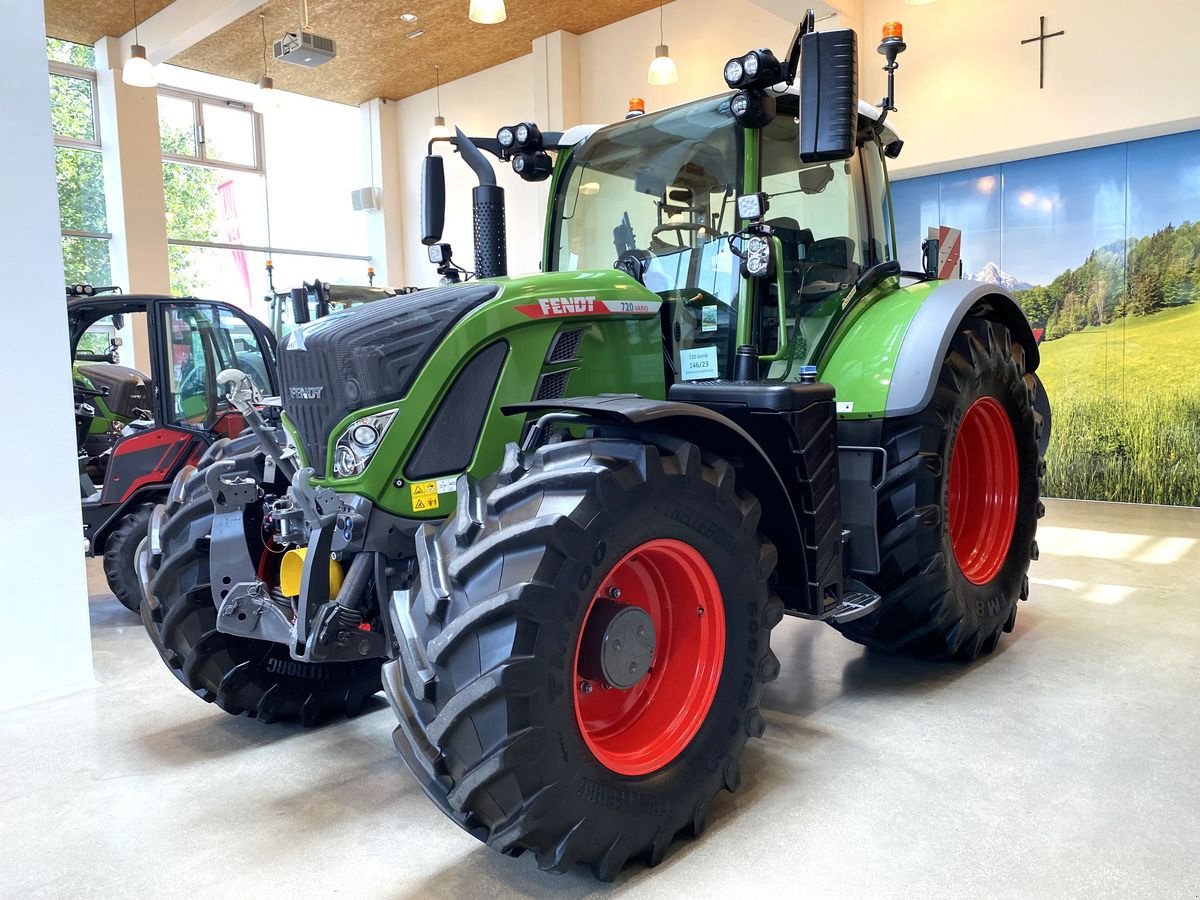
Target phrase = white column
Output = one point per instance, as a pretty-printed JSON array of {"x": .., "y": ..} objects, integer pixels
[
  {"x": 382, "y": 159},
  {"x": 44, "y": 610},
  {"x": 556, "y": 104},
  {"x": 133, "y": 186}
]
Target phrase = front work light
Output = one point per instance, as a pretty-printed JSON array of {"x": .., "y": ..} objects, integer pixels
[
  {"x": 359, "y": 442},
  {"x": 506, "y": 138},
  {"x": 752, "y": 108},
  {"x": 756, "y": 69},
  {"x": 752, "y": 206},
  {"x": 439, "y": 253},
  {"x": 533, "y": 166},
  {"x": 529, "y": 136}
]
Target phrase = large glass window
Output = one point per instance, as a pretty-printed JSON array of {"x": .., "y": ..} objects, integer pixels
[
  {"x": 217, "y": 184},
  {"x": 78, "y": 164}
]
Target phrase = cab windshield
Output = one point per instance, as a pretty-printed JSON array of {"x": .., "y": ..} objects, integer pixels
[{"x": 666, "y": 185}]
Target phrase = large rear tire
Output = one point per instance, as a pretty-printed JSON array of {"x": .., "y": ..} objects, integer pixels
[
  {"x": 244, "y": 677},
  {"x": 120, "y": 550},
  {"x": 508, "y": 717},
  {"x": 959, "y": 505}
]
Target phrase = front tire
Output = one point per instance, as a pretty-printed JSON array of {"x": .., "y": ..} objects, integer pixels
[
  {"x": 508, "y": 717},
  {"x": 244, "y": 677},
  {"x": 959, "y": 505}
]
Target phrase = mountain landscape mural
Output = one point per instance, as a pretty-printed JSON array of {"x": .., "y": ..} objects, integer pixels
[{"x": 1101, "y": 249}]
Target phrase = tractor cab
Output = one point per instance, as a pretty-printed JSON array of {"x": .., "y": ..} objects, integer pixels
[{"x": 659, "y": 198}]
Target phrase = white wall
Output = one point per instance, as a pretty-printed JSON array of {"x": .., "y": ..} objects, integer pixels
[
  {"x": 968, "y": 90},
  {"x": 43, "y": 605},
  {"x": 702, "y": 34},
  {"x": 613, "y": 62}
]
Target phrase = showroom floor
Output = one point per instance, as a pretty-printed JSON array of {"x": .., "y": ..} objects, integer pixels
[{"x": 1064, "y": 765}]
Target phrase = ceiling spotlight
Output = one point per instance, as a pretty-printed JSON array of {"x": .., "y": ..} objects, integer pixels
[
  {"x": 408, "y": 17},
  {"x": 487, "y": 12}
]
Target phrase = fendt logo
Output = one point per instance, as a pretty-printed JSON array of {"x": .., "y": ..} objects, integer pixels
[
  {"x": 567, "y": 306},
  {"x": 307, "y": 393},
  {"x": 586, "y": 306}
]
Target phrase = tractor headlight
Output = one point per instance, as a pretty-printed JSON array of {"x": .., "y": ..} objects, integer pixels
[
  {"x": 750, "y": 64},
  {"x": 757, "y": 256},
  {"x": 505, "y": 137},
  {"x": 359, "y": 442},
  {"x": 734, "y": 72}
]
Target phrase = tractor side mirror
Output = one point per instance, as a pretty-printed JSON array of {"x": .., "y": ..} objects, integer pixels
[
  {"x": 828, "y": 95},
  {"x": 433, "y": 199}
]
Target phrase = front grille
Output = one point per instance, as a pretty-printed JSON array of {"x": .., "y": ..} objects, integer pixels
[{"x": 363, "y": 357}]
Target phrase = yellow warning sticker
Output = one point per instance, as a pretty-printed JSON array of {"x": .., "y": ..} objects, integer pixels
[{"x": 424, "y": 495}]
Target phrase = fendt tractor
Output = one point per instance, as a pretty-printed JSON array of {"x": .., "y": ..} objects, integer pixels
[{"x": 563, "y": 512}]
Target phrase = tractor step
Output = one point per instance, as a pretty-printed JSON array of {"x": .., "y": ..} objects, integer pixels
[{"x": 857, "y": 601}]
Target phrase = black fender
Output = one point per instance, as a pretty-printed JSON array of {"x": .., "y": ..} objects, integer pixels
[
  {"x": 929, "y": 334},
  {"x": 716, "y": 433},
  {"x": 100, "y": 519}
]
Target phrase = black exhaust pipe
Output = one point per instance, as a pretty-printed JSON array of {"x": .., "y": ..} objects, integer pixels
[{"x": 487, "y": 200}]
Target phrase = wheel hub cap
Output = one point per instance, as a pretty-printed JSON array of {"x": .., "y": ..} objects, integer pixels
[
  {"x": 647, "y": 667},
  {"x": 618, "y": 644}
]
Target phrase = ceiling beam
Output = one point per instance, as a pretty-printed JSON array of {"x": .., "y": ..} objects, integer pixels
[
  {"x": 177, "y": 27},
  {"x": 790, "y": 11}
]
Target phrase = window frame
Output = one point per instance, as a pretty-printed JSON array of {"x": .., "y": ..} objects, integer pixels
[
  {"x": 67, "y": 70},
  {"x": 201, "y": 158},
  {"x": 94, "y": 145}
]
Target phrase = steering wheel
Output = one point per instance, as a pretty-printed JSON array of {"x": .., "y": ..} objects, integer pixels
[
  {"x": 678, "y": 228},
  {"x": 692, "y": 297}
]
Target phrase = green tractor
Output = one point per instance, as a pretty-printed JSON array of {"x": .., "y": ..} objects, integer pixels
[{"x": 564, "y": 512}]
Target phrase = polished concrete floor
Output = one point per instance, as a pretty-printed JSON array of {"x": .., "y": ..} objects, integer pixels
[{"x": 1067, "y": 764}]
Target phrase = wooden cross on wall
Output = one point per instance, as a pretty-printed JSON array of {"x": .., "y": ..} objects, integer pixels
[{"x": 1041, "y": 39}]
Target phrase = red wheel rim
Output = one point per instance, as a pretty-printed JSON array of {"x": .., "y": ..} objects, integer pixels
[
  {"x": 640, "y": 730},
  {"x": 982, "y": 498}
]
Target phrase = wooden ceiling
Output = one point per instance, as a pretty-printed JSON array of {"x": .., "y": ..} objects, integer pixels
[
  {"x": 375, "y": 58},
  {"x": 86, "y": 21}
]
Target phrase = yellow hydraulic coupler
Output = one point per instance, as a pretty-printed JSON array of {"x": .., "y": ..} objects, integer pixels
[{"x": 291, "y": 570}]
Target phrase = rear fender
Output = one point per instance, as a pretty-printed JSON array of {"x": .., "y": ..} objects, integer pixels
[
  {"x": 887, "y": 362},
  {"x": 717, "y": 434},
  {"x": 101, "y": 519}
]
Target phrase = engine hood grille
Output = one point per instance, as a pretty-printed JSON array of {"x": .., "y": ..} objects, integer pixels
[{"x": 363, "y": 357}]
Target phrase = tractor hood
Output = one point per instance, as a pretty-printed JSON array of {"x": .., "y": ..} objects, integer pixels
[{"x": 364, "y": 357}]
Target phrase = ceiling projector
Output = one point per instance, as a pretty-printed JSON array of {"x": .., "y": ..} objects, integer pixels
[{"x": 303, "y": 48}]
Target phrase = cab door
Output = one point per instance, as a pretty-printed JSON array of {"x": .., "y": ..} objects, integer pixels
[{"x": 194, "y": 342}]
